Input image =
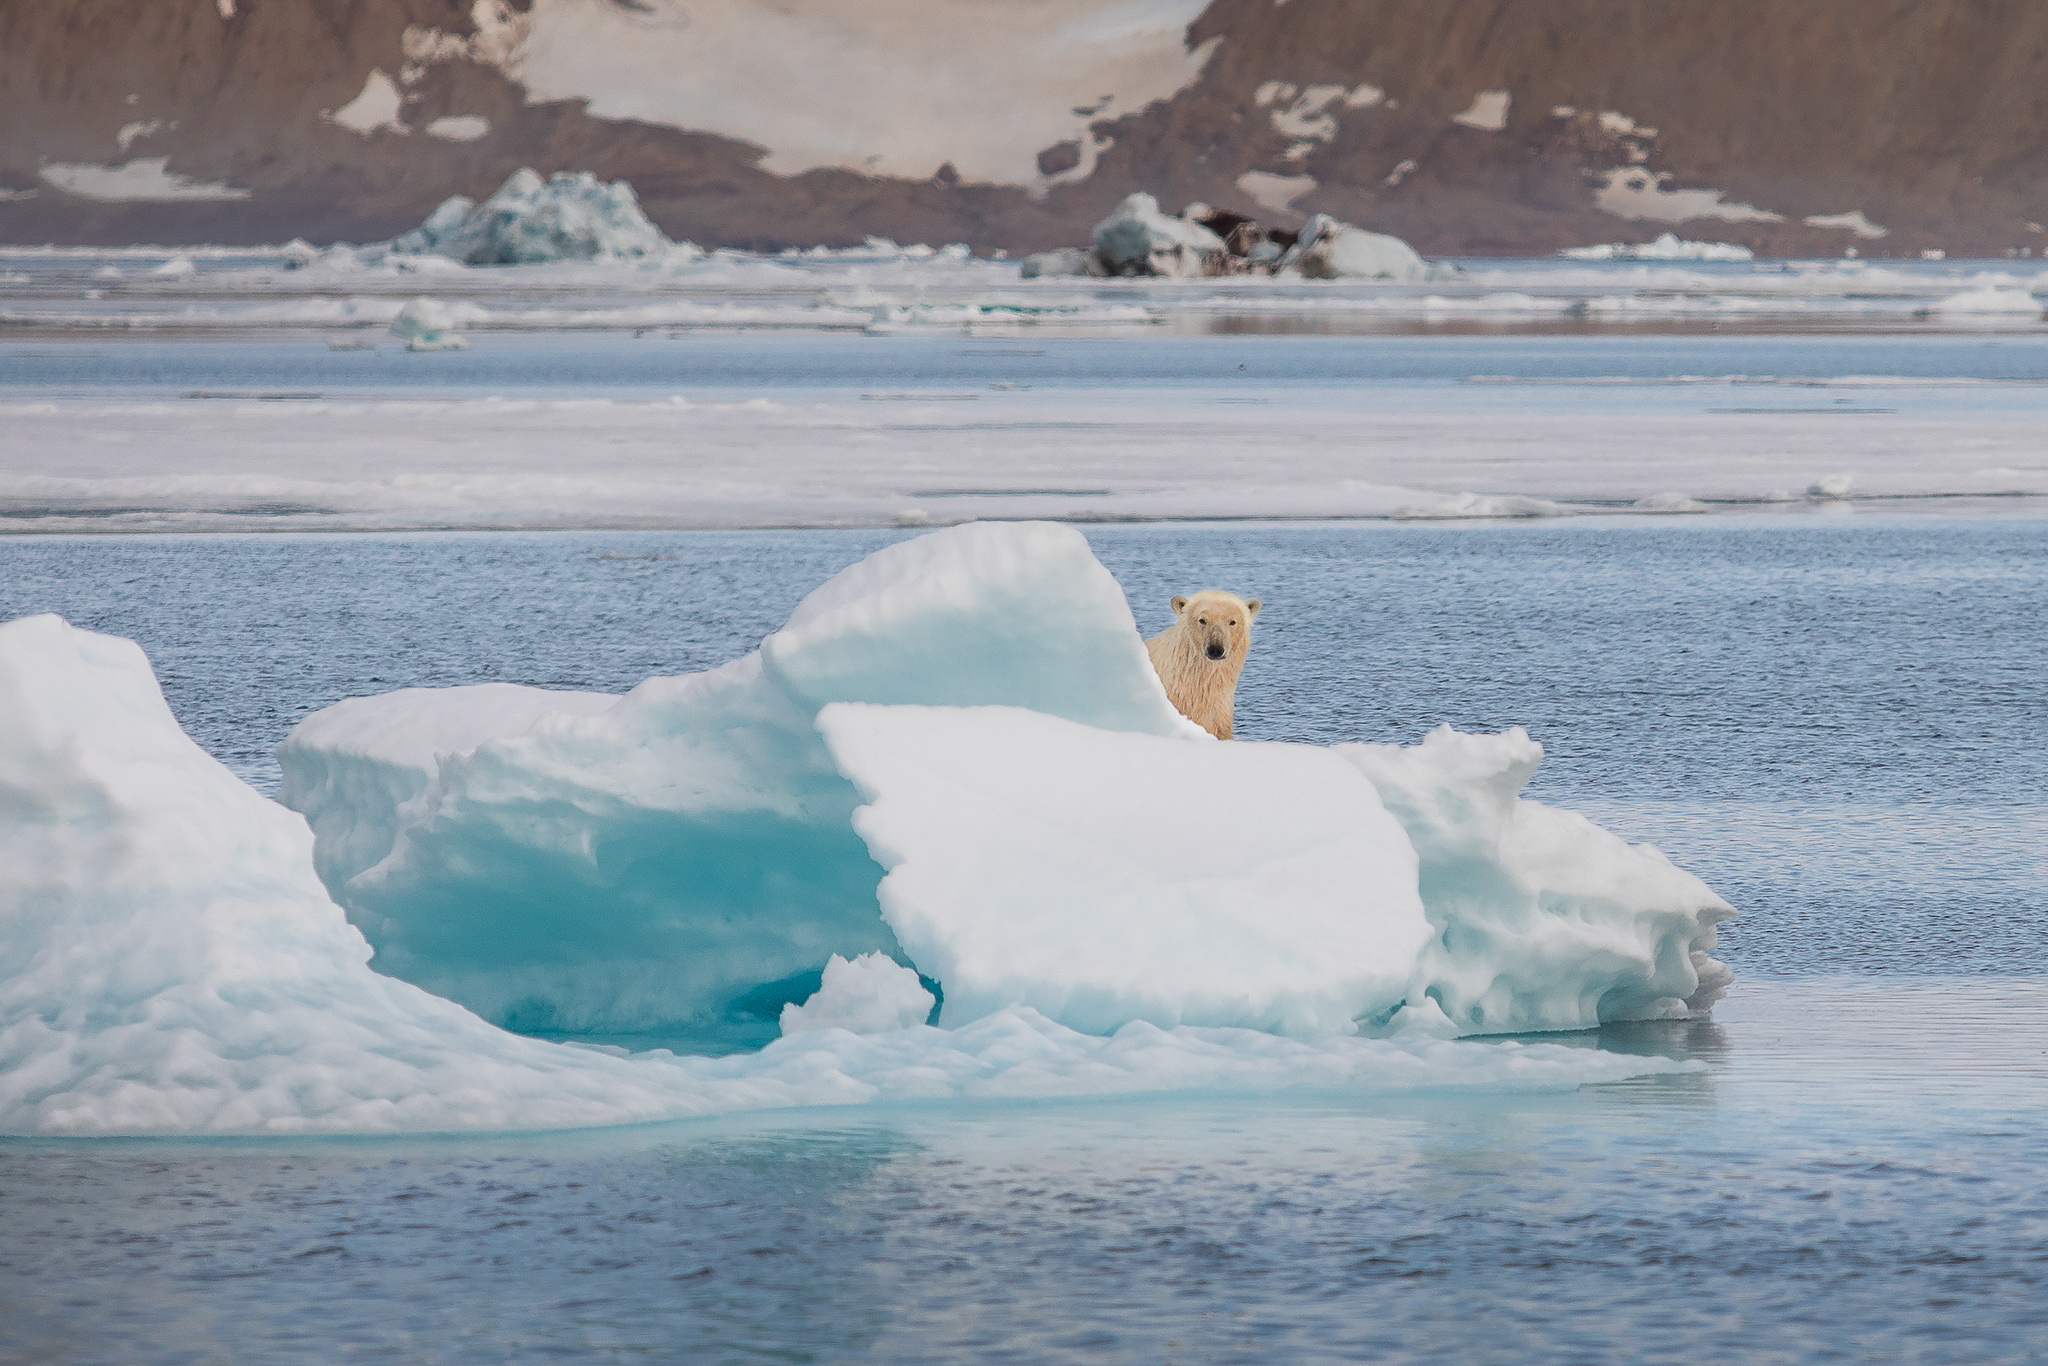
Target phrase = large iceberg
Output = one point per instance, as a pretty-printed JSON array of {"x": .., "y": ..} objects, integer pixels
[
  {"x": 170, "y": 963},
  {"x": 1053, "y": 836}
]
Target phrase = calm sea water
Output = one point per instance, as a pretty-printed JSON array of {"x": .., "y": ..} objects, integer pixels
[{"x": 1836, "y": 721}]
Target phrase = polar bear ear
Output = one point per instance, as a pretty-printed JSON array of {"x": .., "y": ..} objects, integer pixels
[
  {"x": 1178, "y": 605},
  {"x": 1251, "y": 607}
]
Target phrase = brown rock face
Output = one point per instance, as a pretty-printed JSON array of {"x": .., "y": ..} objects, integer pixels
[{"x": 1929, "y": 117}]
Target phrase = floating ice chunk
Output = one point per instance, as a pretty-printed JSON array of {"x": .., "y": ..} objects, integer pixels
[
  {"x": 1054, "y": 836},
  {"x": 169, "y": 964},
  {"x": 1101, "y": 878},
  {"x": 1330, "y": 250},
  {"x": 871, "y": 994},
  {"x": 1137, "y": 239},
  {"x": 177, "y": 268},
  {"x": 1667, "y": 247},
  {"x": 1833, "y": 486},
  {"x": 1669, "y": 502},
  {"x": 1062, "y": 261},
  {"x": 427, "y": 325},
  {"x": 1541, "y": 919},
  {"x": 668, "y": 860},
  {"x": 1991, "y": 301},
  {"x": 1483, "y": 505}
]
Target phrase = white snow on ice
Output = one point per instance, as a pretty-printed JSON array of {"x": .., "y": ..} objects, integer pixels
[{"x": 1667, "y": 247}]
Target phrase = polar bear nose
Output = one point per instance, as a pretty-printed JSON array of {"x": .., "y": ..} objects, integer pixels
[{"x": 1215, "y": 651}]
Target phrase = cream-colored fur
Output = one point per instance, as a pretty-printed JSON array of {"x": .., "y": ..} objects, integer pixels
[{"x": 1199, "y": 657}]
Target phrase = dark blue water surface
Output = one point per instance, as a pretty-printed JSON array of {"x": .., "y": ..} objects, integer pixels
[
  {"x": 582, "y": 364},
  {"x": 1837, "y": 721}
]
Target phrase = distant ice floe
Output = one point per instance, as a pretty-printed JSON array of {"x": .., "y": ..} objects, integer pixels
[
  {"x": 1138, "y": 240},
  {"x": 1997, "y": 302},
  {"x": 1481, "y": 505},
  {"x": 1331, "y": 250},
  {"x": 1112, "y": 902},
  {"x": 881, "y": 287},
  {"x": 1669, "y": 503},
  {"x": 429, "y": 325},
  {"x": 1667, "y": 247}
]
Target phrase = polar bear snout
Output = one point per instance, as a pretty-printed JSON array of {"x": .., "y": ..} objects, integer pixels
[{"x": 1216, "y": 650}]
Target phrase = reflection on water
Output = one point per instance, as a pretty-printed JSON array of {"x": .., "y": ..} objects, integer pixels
[{"x": 1856, "y": 1179}]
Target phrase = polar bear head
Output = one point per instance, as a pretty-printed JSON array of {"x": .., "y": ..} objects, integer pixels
[{"x": 1216, "y": 625}]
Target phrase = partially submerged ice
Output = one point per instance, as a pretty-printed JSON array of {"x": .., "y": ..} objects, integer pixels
[
  {"x": 171, "y": 964},
  {"x": 1053, "y": 834}
]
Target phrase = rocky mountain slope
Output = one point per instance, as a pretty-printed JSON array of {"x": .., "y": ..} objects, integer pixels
[{"x": 1465, "y": 126}]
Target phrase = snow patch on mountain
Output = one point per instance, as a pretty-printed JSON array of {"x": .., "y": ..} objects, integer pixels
[{"x": 1039, "y": 74}]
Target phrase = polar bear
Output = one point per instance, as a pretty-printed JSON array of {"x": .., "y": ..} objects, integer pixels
[{"x": 1199, "y": 657}]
